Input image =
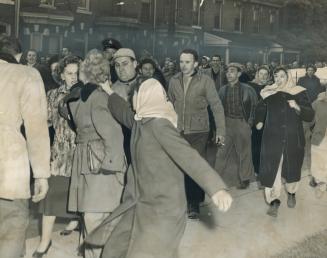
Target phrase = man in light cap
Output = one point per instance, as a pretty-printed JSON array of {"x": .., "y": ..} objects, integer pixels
[
  {"x": 125, "y": 66},
  {"x": 239, "y": 101},
  {"x": 110, "y": 46}
]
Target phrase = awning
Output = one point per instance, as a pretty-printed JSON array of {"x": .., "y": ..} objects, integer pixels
[{"x": 215, "y": 41}]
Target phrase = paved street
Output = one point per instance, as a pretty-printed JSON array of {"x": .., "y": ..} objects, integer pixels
[{"x": 243, "y": 232}]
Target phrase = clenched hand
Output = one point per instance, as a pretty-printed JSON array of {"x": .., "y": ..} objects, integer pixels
[{"x": 222, "y": 200}]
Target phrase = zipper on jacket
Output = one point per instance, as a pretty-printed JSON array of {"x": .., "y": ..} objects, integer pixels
[{"x": 184, "y": 98}]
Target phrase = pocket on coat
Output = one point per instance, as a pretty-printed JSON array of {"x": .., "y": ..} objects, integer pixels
[
  {"x": 120, "y": 178},
  {"x": 199, "y": 122}
]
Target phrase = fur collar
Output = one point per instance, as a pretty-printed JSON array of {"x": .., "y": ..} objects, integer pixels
[
  {"x": 87, "y": 90},
  {"x": 80, "y": 91}
]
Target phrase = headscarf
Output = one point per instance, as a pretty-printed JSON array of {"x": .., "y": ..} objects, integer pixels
[
  {"x": 290, "y": 88},
  {"x": 151, "y": 101}
]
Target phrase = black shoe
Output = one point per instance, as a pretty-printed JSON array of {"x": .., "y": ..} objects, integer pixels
[
  {"x": 313, "y": 182},
  {"x": 37, "y": 254},
  {"x": 291, "y": 201},
  {"x": 193, "y": 211},
  {"x": 273, "y": 209},
  {"x": 244, "y": 184}
]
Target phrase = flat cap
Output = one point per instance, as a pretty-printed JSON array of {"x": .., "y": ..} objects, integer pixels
[
  {"x": 111, "y": 43},
  {"x": 236, "y": 65},
  {"x": 124, "y": 52}
]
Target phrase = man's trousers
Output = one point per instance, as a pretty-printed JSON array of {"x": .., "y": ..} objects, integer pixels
[
  {"x": 194, "y": 193},
  {"x": 238, "y": 137},
  {"x": 14, "y": 220}
]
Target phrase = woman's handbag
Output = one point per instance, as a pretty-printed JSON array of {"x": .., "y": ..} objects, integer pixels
[{"x": 95, "y": 155}]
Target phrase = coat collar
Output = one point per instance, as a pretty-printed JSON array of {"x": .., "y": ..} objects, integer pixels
[
  {"x": 80, "y": 91},
  {"x": 196, "y": 74},
  {"x": 8, "y": 58},
  {"x": 87, "y": 90}
]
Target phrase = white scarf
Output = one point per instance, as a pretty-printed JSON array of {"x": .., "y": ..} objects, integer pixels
[
  {"x": 151, "y": 101},
  {"x": 290, "y": 88}
]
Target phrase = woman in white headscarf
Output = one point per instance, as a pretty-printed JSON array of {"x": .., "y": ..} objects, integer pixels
[
  {"x": 153, "y": 212},
  {"x": 283, "y": 108}
]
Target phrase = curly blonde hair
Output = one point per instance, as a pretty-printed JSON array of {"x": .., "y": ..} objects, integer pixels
[{"x": 95, "y": 68}]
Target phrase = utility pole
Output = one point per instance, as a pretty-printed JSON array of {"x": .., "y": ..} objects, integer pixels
[
  {"x": 154, "y": 27},
  {"x": 171, "y": 26},
  {"x": 17, "y": 14}
]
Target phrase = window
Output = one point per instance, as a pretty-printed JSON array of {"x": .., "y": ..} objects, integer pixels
[
  {"x": 272, "y": 21},
  {"x": 255, "y": 15},
  {"x": 84, "y": 4},
  {"x": 218, "y": 16},
  {"x": 217, "y": 22},
  {"x": 145, "y": 11},
  {"x": 7, "y": 2},
  {"x": 5, "y": 28},
  {"x": 53, "y": 45},
  {"x": 36, "y": 41},
  {"x": 47, "y": 2},
  {"x": 118, "y": 7},
  {"x": 237, "y": 22}
]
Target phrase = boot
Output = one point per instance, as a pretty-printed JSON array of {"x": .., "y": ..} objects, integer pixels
[
  {"x": 273, "y": 209},
  {"x": 291, "y": 201},
  {"x": 193, "y": 211},
  {"x": 244, "y": 184}
]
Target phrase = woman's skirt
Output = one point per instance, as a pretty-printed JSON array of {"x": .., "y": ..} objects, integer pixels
[{"x": 56, "y": 201}]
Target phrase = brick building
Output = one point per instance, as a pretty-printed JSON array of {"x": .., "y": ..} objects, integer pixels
[{"x": 239, "y": 30}]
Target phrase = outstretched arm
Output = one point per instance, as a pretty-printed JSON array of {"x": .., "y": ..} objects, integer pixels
[{"x": 190, "y": 161}]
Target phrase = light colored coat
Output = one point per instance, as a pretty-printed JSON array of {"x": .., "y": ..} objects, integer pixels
[{"x": 22, "y": 99}]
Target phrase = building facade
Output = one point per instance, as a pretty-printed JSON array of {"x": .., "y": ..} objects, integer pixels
[
  {"x": 7, "y": 17},
  {"x": 239, "y": 30}
]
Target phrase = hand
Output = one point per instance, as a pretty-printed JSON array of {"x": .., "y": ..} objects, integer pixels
[
  {"x": 40, "y": 189},
  {"x": 259, "y": 126},
  {"x": 106, "y": 86},
  {"x": 293, "y": 104},
  {"x": 220, "y": 139},
  {"x": 222, "y": 200}
]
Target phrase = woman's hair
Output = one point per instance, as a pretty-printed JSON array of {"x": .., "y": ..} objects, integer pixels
[
  {"x": 53, "y": 59},
  {"x": 264, "y": 67},
  {"x": 66, "y": 61},
  {"x": 95, "y": 68},
  {"x": 278, "y": 69}
]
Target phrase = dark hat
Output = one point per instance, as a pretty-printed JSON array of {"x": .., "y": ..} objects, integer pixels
[{"x": 111, "y": 43}]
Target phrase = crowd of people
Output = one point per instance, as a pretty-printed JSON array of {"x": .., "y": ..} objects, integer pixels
[{"x": 117, "y": 145}]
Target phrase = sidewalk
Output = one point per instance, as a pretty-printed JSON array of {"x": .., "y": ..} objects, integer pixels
[{"x": 243, "y": 232}]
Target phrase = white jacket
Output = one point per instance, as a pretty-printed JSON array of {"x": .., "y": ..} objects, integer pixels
[{"x": 22, "y": 100}]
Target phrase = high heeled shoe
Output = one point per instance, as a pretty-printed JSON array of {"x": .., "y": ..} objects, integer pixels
[{"x": 37, "y": 254}]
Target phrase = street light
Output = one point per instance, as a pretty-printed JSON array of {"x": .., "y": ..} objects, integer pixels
[{"x": 120, "y": 3}]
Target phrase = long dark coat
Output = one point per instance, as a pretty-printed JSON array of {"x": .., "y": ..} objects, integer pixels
[
  {"x": 154, "y": 203},
  {"x": 282, "y": 135}
]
